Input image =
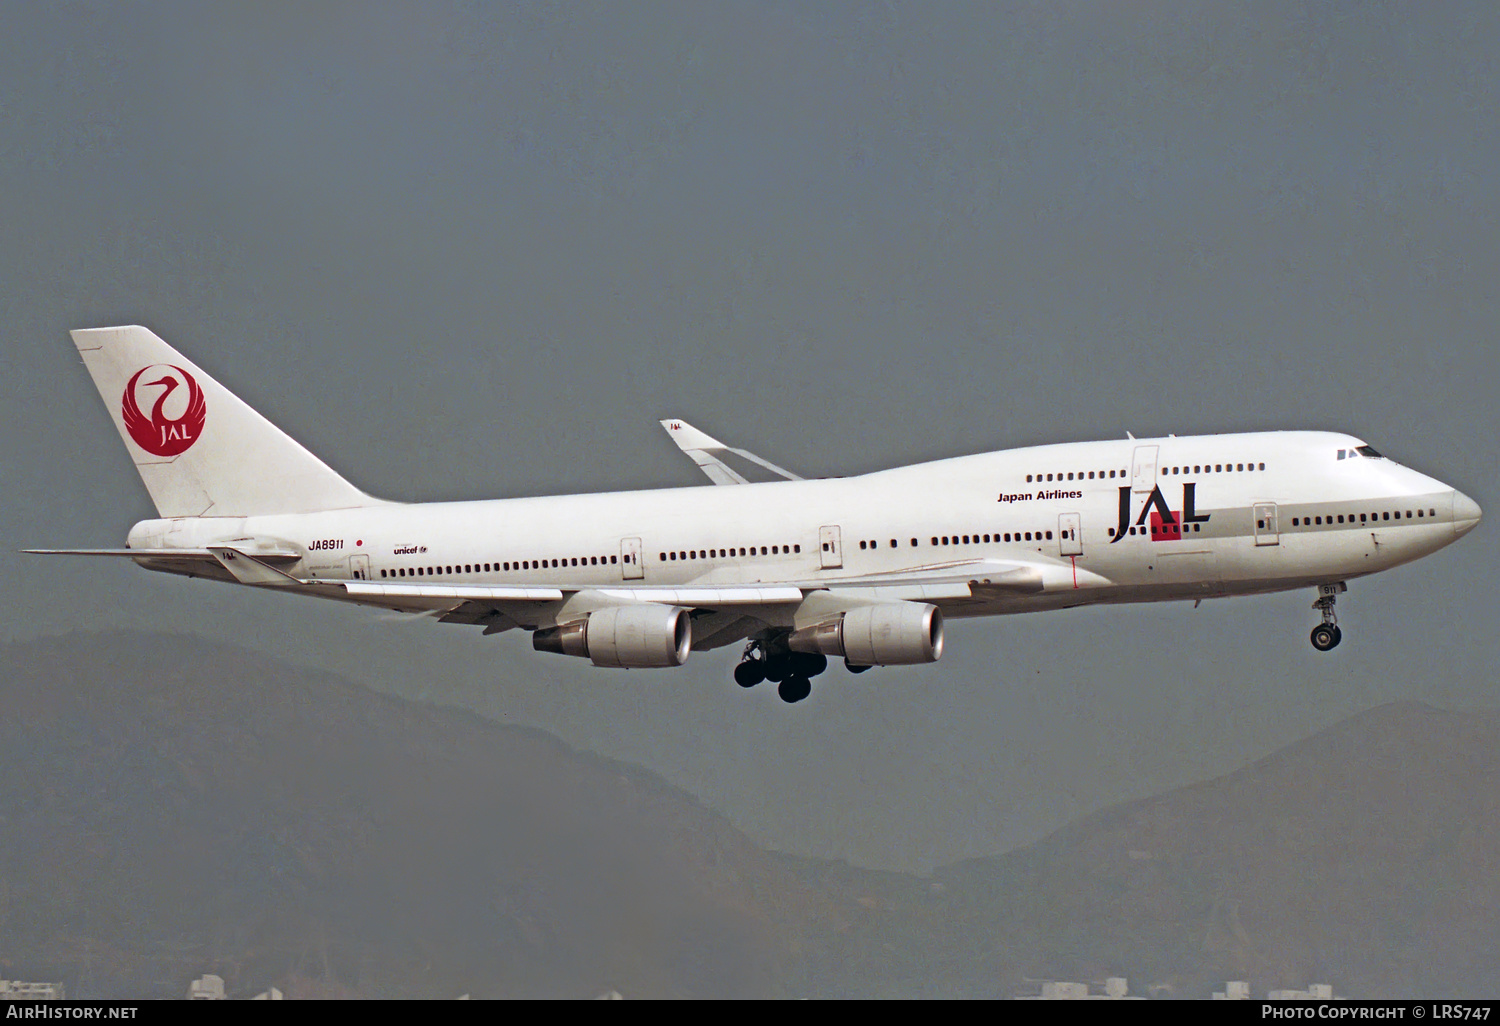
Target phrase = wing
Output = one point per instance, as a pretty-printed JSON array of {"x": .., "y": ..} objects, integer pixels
[
  {"x": 721, "y": 615},
  {"x": 714, "y": 458}
]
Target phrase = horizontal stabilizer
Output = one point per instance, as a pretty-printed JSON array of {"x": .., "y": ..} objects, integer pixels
[
  {"x": 270, "y": 556},
  {"x": 251, "y": 569}
]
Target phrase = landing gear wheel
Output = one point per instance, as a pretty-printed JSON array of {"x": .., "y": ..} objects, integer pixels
[
  {"x": 1326, "y": 636},
  {"x": 794, "y": 689},
  {"x": 808, "y": 664},
  {"x": 749, "y": 673},
  {"x": 854, "y": 667},
  {"x": 777, "y": 669}
]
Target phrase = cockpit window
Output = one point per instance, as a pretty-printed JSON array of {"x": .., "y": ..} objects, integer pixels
[{"x": 1369, "y": 450}]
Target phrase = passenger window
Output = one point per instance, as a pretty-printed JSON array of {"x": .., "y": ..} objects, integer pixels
[
  {"x": 1049, "y": 535},
  {"x": 1294, "y": 521},
  {"x": 1385, "y": 516},
  {"x": 986, "y": 539},
  {"x": 1028, "y": 479},
  {"x": 1408, "y": 514}
]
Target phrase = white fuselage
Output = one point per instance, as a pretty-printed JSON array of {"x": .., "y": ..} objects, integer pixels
[{"x": 1203, "y": 516}]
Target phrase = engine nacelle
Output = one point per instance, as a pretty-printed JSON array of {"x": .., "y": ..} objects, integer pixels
[
  {"x": 640, "y": 636},
  {"x": 887, "y": 634}
]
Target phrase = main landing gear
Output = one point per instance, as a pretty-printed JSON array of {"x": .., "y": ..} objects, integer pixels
[
  {"x": 1327, "y": 635},
  {"x": 791, "y": 672}
]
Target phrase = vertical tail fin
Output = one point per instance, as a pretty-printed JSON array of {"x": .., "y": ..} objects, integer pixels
[{"x": 200, "y": 450}]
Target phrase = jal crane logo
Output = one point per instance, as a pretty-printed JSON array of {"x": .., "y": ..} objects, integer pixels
[{"x": 160, "y": 434}]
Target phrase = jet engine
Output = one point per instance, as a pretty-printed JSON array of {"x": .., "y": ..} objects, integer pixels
[
  {"x": 886, "y": 634},
  {"x": 639, "y": 636}
]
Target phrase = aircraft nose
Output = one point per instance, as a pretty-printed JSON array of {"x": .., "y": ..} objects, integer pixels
[{"x": 1466, "y": 513}]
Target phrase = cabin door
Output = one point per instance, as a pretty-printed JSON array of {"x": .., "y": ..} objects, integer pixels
[
  {"x": 631, "y": 567},
  {"x": 1266, "y": 532},
  {"x": 830, "y": 552},
  {"x": 1070, "y": 533}
]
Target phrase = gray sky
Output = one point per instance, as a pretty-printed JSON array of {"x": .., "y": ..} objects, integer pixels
[{"x": 476, "y": 251}]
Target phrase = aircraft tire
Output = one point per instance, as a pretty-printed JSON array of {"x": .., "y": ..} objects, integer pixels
[
  {"x": 1326, "y": 636},
  {"x": 749, "y": 673},
  {"x": 809, "y": 664},
  {"x": 777, "y": 669},
  {"x": 794, "y": 689}
]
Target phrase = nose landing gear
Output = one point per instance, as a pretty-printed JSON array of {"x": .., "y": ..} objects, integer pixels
[{"x": 1326, "y": 635}]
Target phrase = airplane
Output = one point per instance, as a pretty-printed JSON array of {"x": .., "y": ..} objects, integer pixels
[{"x": 863, "y": 568}]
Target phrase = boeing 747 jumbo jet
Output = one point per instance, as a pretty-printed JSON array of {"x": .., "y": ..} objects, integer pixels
[{"x": 862, "y": 568}]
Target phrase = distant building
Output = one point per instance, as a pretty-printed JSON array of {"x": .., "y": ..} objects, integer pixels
[
  {"x": 1315, "y": 992},
  {"x": 30, "y": 990},
  {"x": 275, "y": 995},
  {"x": 1234, "y": 990},
  {"x": 207, "y": 987},
  {"x": 1116, "y": 988}
]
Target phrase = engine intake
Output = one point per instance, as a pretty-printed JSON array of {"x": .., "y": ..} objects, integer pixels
[
  {"x": 639, "y": 636},
  {"x": 887, "y": 634}
]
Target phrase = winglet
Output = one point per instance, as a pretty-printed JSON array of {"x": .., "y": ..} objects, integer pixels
[{"x": 708, "y": 453}]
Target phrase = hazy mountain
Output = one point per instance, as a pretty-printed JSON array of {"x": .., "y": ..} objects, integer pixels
[
  {"x": 170, "y": 806},
  {"x": 1367, "y": 856}
]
